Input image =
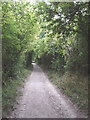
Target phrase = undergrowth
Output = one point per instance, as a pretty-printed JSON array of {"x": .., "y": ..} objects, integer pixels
[
  {"x": 10, "y": 91},
  {"x": 73, "y": 85}
]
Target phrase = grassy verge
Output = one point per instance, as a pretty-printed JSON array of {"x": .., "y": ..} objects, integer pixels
[
  {"x": 10, "y": 91},
  {"x": 75, "y": 86}
]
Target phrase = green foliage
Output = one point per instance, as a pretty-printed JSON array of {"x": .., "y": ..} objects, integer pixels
[
  {"x": 19, "y": 29},
  {"x": 53, "y": 34},
  {"x": 56, "y": 32},
  {"x": 10, "y": 91},
  {"x": 64, "y": 31},
  {"x": 28, "y": 59},
  {"x": 73, "y": 85}
]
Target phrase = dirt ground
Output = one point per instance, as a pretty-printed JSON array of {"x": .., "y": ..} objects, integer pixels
[{"x": 41, "y": 99}]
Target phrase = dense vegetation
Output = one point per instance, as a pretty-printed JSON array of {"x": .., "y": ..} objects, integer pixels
[
  {"x": 18, "y": 31},
  {"x": 63, "y": 47},
  {"x": 19, "y": 27},
  {"x": 53, "y": 34},
  {"x": 64, "y": 35}
]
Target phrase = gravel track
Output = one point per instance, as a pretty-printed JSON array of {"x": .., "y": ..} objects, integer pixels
[{"x": 41, "y": 99}]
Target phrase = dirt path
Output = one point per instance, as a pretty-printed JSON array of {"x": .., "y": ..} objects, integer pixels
[{"x": 40, "y": 99}]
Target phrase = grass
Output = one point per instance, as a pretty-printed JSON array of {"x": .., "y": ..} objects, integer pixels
[
  {"x": 10, "y": 91},
  {"x": 73, "y": 85}
]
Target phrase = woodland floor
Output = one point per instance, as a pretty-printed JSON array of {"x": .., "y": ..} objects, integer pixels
[{"x": 41, "y": 99}]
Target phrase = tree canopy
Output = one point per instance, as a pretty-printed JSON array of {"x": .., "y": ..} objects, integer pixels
[{"x": 54, "y": 34}]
